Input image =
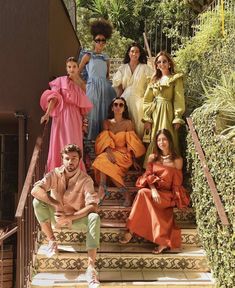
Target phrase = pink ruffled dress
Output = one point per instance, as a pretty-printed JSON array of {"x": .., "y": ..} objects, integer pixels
[{"x": 66, "y": 128}]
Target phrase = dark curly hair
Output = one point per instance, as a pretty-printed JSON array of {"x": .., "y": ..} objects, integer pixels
[
  {"x": 125, "y": 113},
  {"x": 143, "y": 56},
  {"x": 101, "y": 26},
  {"x": 158, "y": 73}
]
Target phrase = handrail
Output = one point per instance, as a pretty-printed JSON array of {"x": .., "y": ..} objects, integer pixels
[
  {"x": 29, "y": 177},
  {"x": 215, "y": 195},
  {"x": 26, "y": 223},
  {"x": 8, "y": 234}
]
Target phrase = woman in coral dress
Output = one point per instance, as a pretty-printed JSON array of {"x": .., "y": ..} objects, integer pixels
[
  {"x": 131, "y": 81},
  {"x": 68, "y": 106},
  {"x": 164, "y": 101},
  {"x": 117, "y": 147},
  {"x": 152, "y": 215}
]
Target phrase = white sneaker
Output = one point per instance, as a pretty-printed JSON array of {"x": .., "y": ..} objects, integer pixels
[
  {"x": 52, "y": 248},
  {"x": 91, "y": 277}
]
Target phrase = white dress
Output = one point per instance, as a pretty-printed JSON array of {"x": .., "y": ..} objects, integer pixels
[{"x": 134, "y": 86}]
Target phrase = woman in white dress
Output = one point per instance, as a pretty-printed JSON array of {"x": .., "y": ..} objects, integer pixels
[{"x": 130, "y": 82}]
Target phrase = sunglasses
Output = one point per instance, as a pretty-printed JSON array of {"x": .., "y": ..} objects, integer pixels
[
  {"x": 115, "y": 104},
  {"x": 100, "y": 40},
  {"x": 163, "y": 62}
]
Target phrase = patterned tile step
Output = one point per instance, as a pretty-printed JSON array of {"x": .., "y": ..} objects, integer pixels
[
  {"x": 116, "y": 197},
  {"x": 112, "y": 235},
  {"x": 120, "y": 214},
  {"x": 122, "y": 257},
  {"x": 119, "y": 278}
]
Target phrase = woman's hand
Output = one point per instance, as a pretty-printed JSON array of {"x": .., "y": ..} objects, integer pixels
[
  {"x": 136, "y": 165},
  {"x": 45, "y": 118},
  {"x": 156, "y": 197},
  {"x": 147, "y": 126},
  {"x": 176, "y": 126},
  {"x": 110, "y": 155}
]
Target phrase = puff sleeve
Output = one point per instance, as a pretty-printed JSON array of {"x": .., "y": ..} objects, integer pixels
[
  {"x": 103, "y": 141},
  {"x": 54, "y": 93},
  {"x": 147, "y": 105},
  {"x": 179, "y": 102},
  {"x": 134, "y": 144}
]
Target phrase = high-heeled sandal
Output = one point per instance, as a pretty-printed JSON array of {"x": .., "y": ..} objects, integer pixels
[
  {"x": 106, "y": 194},
  {"x": 126, "y": 238},
  {"x": 160, "y": 249}
]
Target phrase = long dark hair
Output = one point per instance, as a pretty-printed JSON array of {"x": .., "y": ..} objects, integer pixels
[
  {"x": 142, "y": 58},
  {"x": 125, "y": 113},
  {"x": 158, "y": 73},
  {"x": 168, "y": 135}
]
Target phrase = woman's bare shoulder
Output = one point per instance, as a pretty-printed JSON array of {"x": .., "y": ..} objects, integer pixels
[{"x": 178, "y": 163}]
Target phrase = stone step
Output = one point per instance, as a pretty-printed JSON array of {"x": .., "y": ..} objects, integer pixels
[
  {"x": 120, "y": 278},
  {"x": 112, "y": 235},
  {"x": 123, "y": 257},
  {"x": 120, "y": 214}
]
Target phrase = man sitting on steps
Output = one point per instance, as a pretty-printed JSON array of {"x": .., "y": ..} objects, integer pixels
[{"x": 66, "y": 197}]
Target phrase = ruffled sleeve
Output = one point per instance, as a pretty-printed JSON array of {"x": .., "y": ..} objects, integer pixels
[
  {"x": 148, "y": 178},
  {"x": 179, "y": 102},
  {"x": 103, "y": 141},
  {"x": 134, "y": 144},
  {"x": 54, "y": 93},
  {"x": 148, "y": 102},
  {"x": 181, "y": 195}
]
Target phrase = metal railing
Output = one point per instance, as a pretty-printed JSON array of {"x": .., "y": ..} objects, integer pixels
[
  {"x": 26, "y": 224},
  {"x": 214, "y": 193},
  {"x": 224, "y": 9}
]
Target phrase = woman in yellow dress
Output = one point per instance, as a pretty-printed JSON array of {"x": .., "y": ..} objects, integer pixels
[
  {"x": 164, "y": 101},
  {"x": 117, "y": 147}
]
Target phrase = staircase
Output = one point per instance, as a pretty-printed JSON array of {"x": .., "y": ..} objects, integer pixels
[{"x": 123, "y": 265}]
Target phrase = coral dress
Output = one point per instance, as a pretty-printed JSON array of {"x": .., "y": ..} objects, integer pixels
[
  {"x": 164, "y": 106},
  {"x": 134, "y": 85},
  {"x": 155, "y": 221},
  {"x": 99, "y": 91},
  {"x": 121, "y": 143},
  {"x": 66, "y": 128}
]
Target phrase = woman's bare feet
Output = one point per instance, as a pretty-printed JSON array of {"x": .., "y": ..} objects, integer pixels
[
  {"x": 160, "y": 249},
  {"x": 126, "y": 238}
]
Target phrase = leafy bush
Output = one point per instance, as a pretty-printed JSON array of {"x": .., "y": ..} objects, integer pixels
[
  {"x": 206, "y": 57},
  {"x": 218, "y": 241}
]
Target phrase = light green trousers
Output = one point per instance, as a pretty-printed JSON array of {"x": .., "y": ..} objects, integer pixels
[{"x": 90, "y": 223}]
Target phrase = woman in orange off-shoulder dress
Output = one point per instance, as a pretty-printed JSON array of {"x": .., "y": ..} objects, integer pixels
[
  {"x": 152, "y": 215},
  {"x": 117, "y": 147}
]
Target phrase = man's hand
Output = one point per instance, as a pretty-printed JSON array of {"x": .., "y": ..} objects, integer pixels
[{"x": 62, "y": 219}]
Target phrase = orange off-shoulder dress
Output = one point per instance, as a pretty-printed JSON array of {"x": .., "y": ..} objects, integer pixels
[
  {"x": 155, "y": 221},
  {"x": 121, "y": 143}
]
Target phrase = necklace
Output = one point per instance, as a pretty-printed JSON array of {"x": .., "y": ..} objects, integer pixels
[{"x": 166, "y": 158}]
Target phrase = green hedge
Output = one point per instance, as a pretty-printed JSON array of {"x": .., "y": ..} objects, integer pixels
[
  {"x": 206, "y": 56},
  {"x": 218, "y": 241}
]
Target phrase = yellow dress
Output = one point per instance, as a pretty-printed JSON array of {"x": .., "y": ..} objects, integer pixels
[
  {"x": 164, "y": 106},
  {"x": 121, "y": 143}
]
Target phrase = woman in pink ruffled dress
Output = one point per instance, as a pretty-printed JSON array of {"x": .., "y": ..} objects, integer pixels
[{"x": 68, "y": 106}]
